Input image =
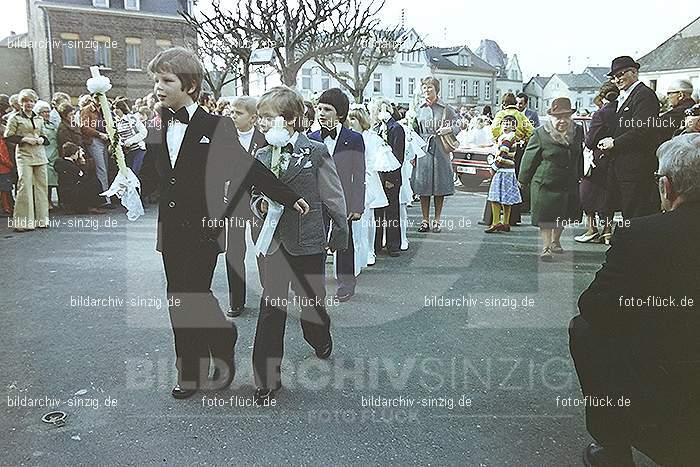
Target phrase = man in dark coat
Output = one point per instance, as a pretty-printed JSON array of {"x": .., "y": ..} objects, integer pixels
[
  {"x": 679, "y": 97},
  {"x": 633, "y": 144},
  {"x": 387, "y": 218},
  {"x": 635, "y": 343}
]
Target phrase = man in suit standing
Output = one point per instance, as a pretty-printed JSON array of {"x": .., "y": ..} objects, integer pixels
[
  {"x": 521, "y": 102},
  {"x": 195, "y": 153},
  {"x": 348, "y": 151},
  {"x": 244, "y": 116},
  {"x": 637, "y": 333},
  {"x": 632, "y": 147},
  {"x": 387, "y": 218}
]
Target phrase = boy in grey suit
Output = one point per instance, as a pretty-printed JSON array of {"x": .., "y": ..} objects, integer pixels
[{"x": 297, "y": 252}]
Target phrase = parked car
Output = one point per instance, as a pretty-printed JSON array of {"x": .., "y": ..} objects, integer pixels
[{"x": 472, "y": 165}]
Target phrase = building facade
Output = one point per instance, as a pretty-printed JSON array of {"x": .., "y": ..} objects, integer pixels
[
  {"x": 16, "y": 69},
  {"x": 534, "y": 89},
  {"x": 676, "y": 58},
  {"x": 580, "y": 88},
  {"x": 509, "y": 76},
  {"x": 120, "y": 36}
]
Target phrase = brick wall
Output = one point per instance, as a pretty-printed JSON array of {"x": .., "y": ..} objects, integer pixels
[{"x": 132, "y": 84}]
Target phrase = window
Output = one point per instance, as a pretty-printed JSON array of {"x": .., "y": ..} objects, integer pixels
[
  {"x": 451, "y": 88},
  {"x": 377, "y": 83},
  {"x": 498, "y": 95},
  {"x": 69, "y": 49},
  {"x": 487, "y": 90},
  {"x": 306, "y": 79},
  {"x": 132, "y": 5},
  {"x": 411, "y": 86},
  {"x": 475, "y": 90},
  {"x": 100, "y": 3},
  {"x": 163, "y": 44},
  {"x": 399, "y": 86},
  {"x": 463, "y": 60},
  {"x": 133, "y": 53},
  {"x": 579, "y": 102},
  {"x": 325, "y": 81},
  {"x": 653, "y": 84},
  {"x": 103, "y": 52},
  {"x": 465, "y": 88}
]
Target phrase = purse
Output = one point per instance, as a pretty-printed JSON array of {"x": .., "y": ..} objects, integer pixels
[{"x": 449, "y": 141}]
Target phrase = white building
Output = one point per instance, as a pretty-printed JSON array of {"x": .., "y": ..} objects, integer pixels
[
  {"x": 677, "y": 58},
  {"x": 534, "y": 89},
  {"x": 580, "y": 88}
]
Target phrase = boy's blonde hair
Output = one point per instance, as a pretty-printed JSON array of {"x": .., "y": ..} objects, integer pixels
[
  {"x": 247, "y": 103},
  {"x": 184, "y": 64},
  {"x": 286, "y": 102},
  {"x": 27, "y": 94}
]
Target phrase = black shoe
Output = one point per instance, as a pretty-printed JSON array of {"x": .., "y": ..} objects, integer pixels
[
  {"x": 596, "y": 455},
  {"x": 262, "y": 396},
  {"x": 180, "y": 393},
  {"x": 235, "y": 312},
  {"x": 344, "y": 296},
  {"x": 324, "y": 352},
  {"x": 394, "y": 253},
  {"x": 483, "y": 223}
]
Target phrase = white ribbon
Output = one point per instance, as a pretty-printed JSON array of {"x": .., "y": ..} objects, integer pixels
[
  {"x": 272, "y": 220},
  {"x": 126, "y": 188}
]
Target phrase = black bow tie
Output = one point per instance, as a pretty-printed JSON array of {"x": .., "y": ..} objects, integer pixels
[
  {"x": 181, "y": 115},
  {"x": 325, "y": 132}
]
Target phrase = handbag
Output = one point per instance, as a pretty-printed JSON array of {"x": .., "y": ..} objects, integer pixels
[{"x": 449, "y": 141}]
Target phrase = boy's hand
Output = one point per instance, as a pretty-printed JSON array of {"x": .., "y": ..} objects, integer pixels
[
  {"x": 263, "y": 206},
  {"x": 301, "y": 206},
  {"x": 354, "y": 216}
]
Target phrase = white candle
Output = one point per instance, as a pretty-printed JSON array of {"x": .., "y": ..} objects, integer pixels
[{"x": 95, "y": 71}]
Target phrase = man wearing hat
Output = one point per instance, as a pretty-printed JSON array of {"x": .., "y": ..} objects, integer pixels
[
  {"x": 632, "y": 147},
  {"x": 348, "y": 151},
  {"x": 679, "y": 100}
]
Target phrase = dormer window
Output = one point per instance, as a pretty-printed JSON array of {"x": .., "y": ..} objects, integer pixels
[
  {"x": 100, "y": 3},
  {"x": 132, "y": 5},
  {"x": 463, "y": 60}
]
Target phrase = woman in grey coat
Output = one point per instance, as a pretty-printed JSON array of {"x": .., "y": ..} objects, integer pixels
[{"x": 433, "y": 173}]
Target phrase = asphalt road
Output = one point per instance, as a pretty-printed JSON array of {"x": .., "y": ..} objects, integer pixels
[{"x": 465, "y": 332}]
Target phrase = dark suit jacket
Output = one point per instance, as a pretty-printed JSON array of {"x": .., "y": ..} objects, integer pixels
[
  {"x": 656, "y": 256},
  {"x": 257, "y": 142},
  {"x": 636, "y": 139},
  {"x": 674, "y": 118},
  {"x": 191, "y": 193},
  {"x": 396, "y": 138},
  {"x": 349, "y": 158}
]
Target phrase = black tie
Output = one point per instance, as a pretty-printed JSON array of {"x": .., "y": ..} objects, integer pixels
[
  {"x": 325, "y": 132},
  {"x": 181, "y": 115}
]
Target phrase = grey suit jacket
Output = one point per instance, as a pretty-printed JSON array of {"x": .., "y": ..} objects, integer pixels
[{"x": 312, "y": 174}]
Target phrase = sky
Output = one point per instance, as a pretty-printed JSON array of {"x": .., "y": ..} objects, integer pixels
[{"x": 544, "y": 34}]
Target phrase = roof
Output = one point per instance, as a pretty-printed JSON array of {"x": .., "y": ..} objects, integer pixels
[
  {"x": 579, "y": 81},
  {"x": 492, "y": 53},
  {"x": 541, "y": 80},
  {"x": 437, "y": 57},
  {"x": 679, "y": 52},
  {"x": 15, "y": 38},
  {"x": 598, "y": 72}
]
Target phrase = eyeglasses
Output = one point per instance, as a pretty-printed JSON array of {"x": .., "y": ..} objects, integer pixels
[
  {"x": 672, "y": 92},
  {"x": 622, "y": 73},
  {"x": 658, "y": 176}
]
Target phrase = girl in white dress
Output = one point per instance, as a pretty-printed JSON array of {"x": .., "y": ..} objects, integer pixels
[
  {"x": 378, "y": 158},
  {"x": 414, "y": 150}
]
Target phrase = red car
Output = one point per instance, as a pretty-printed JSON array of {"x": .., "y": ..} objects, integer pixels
[{"x": 472, "y": 164}]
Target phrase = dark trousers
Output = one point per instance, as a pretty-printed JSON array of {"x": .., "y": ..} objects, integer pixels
[
  {"x": 306, "y": 275},
  {"x": 388, "y": 219},
  {"x": 199, "y": 326},
  {"x": 635, "y": 198},
  {"x": 235, "y": 265},
  {"x": 345, "y": 265},
  {"x": 662, "y": 417}
]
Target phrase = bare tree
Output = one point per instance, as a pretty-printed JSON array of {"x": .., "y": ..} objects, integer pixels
[
  {"x": 224, "y": 45},
  {"x": 369, "y": 49},
  {"x": 308, "y": 29}
]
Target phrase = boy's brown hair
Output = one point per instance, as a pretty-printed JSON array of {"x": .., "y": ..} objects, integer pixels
[
  {"x": 184, "y": 64},
  {"x": 69, "y": 149},
  {"x": 286, "y": 102}
]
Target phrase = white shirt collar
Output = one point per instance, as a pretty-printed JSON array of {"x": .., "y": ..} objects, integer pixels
[
  {"x": 629, "y": 90},
  {"x": 246, "y": 133},
  {"x": 293, "y": 139}
]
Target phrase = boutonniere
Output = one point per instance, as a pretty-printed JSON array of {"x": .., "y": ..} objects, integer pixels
[{"x": 299, "y": 156}]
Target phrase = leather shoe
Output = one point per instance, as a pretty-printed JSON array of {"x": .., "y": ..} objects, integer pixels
[
  {"x": 344, "y": 296},
  {"x": 235, "y": 312},
  {"x": 596, "y": 455},
  {"x": 180, "y": 393},
  {"x": 324, "y": 352}
]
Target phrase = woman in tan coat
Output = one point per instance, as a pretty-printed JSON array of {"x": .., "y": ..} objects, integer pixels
[{"x": 25, "y": 129}]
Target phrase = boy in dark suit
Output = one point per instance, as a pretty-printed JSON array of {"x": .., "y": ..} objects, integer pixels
[
  {"x": 244, "y": 115},
  {"x": 296, "y": 253},
  {"x": 348, "y": 150},
  {"x": 195, "y": 153}
]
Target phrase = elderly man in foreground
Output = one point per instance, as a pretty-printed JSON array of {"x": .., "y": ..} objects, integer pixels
[{"x": 635, "y": 343}]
